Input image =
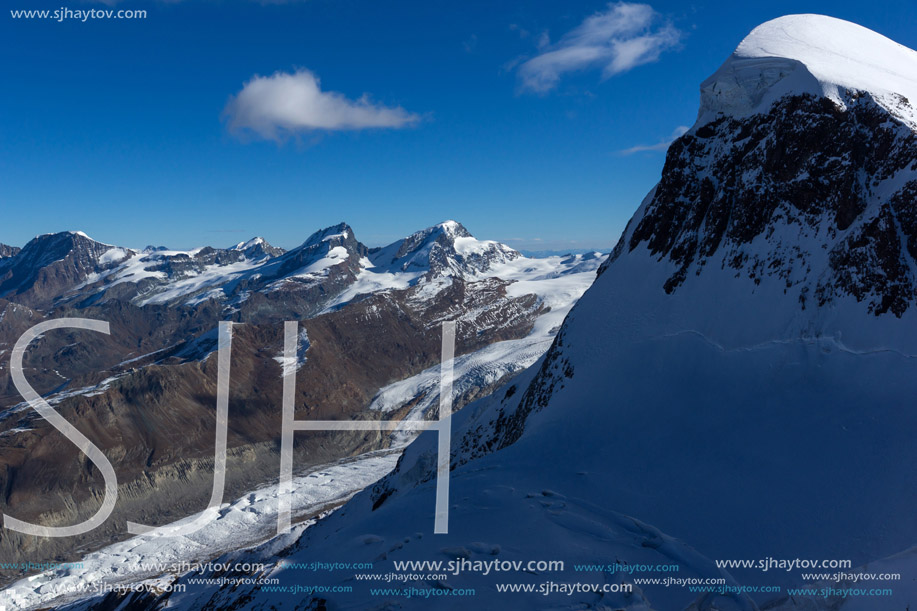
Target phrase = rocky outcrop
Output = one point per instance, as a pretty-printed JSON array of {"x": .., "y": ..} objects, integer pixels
[
  {"x": 764, "y": 195},
  {"x": 51, "y": 265}
]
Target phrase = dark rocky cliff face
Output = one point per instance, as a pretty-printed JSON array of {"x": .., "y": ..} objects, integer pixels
[
  {"x": 763, "y": 195},
  {"x": 48, "y": 266}
]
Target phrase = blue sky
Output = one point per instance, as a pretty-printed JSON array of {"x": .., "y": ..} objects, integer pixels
[{"x": 494, "y": 113}]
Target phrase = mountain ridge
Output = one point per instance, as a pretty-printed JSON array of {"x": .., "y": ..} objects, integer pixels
[{"x": 329, "y": 261}]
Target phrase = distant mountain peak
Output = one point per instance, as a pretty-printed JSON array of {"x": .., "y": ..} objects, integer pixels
[
  {"x": 69, "y": 267},
  {"x": 453, "y": 229},
  {"x": 336, "y": 233},
  {"x": 8, "y": 251},
  {"x": 53, "y": 263},
  {"x": 257, "y": 248},
  {"x": 445, "y": 232},
  {"x": 248, "y": 244},
  {"x": 444, "y": 249},
  {"x": 62, "y": 236},
  {"x": 54, "y": 246}
]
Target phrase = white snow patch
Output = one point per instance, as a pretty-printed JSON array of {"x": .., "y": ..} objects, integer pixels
[
  {"x": 812, "y": 54},
  {"x": 248, "y": 244},
  {"x": 300, "y": 359},
  {"x": 114, "y": 255}
]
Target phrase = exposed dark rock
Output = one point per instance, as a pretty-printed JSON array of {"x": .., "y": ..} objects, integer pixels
[{"x": 729, "y": 187}]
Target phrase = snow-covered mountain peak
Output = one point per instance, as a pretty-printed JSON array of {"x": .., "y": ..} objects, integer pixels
[
  {"x": 444, "y": 249},
  {"x": 333, "y": 252},
  {"x": 816, "y": 55},
  {"x": 336, "y": 234},
  {"x": 53, "y": 263},
  {"x": 257, "y": 248},
  {"x": 798, "y": 177},
  {"x": 444, "y": 233},
  {"x": 453, "y": 229},
  {"x": 50, "y": 247},
  {"x": 249, "y": 244}
]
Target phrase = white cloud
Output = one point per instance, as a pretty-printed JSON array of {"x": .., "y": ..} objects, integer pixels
[
  {"x": 624, "y": 36},
  {"x": 273, "y": 107},
  {"x": 659, "y": 146}
]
